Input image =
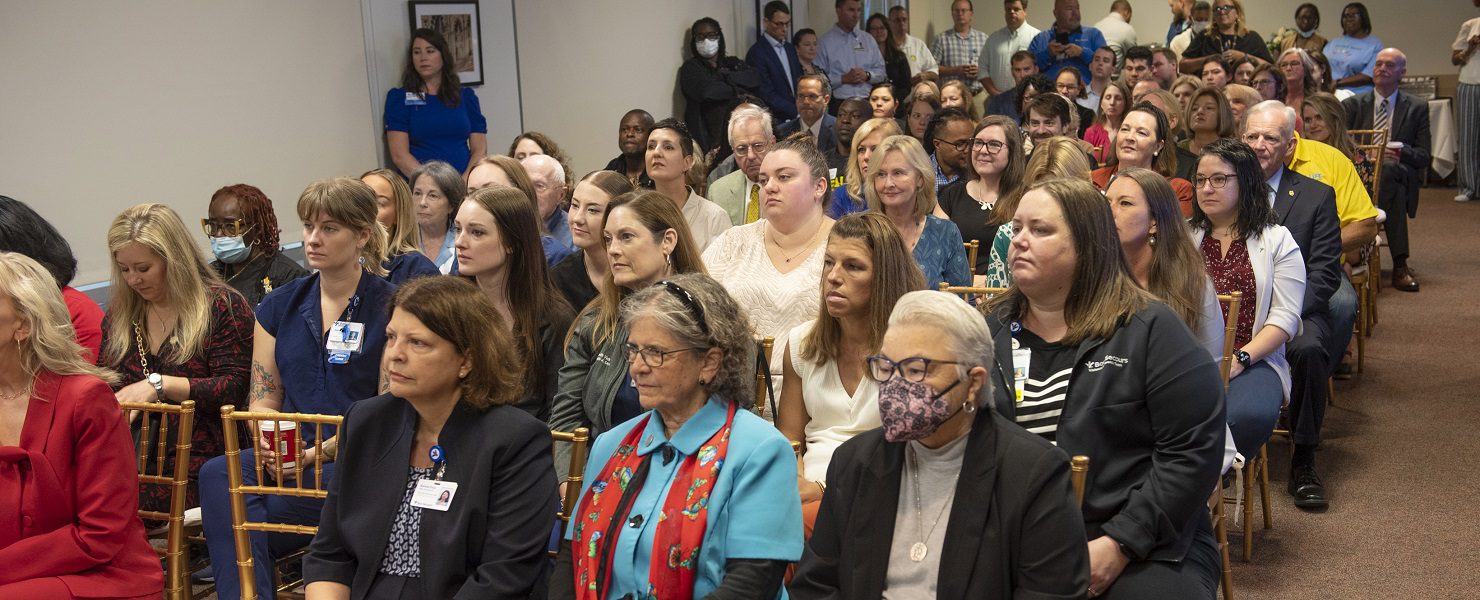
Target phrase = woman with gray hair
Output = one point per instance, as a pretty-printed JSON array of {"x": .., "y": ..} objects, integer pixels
[
  {"x": 941, "y": 440},
  {"x": 437, "y": 191},
  {"x": 722, "y": 518}
]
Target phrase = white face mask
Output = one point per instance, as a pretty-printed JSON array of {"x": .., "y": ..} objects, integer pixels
[
  {"x": 707, "y": 48},
  {"x": 1305, "y": 34},
  {"x": 1199, "y": 26}
]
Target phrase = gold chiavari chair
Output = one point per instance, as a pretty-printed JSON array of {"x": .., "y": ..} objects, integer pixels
[
  {"x": 153, "y": 446},
  {"x": 580, "y": 444}
]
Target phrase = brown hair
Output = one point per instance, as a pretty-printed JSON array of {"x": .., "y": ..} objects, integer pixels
[
  {"x": 513, "y": 169},
  {"x": 351, "y": 202},
  {"x": 1178, "y": 276},
  {"x": 1334, "y": 114},
  {"x": 551, "y": 149},
  {"x": 895, "y": 274},
  {"x": 658, "y": 214},
  {"x": 457, "y": 311},
  {"x": 1017, "y": 162},
  {"x": 1103, "y": 291},
  {"x": 611, "y": 182},
  {"x": 450, "y": 92},
  {"x": 1057, "y": 156},
  {"x": 1225, "y": 122}
]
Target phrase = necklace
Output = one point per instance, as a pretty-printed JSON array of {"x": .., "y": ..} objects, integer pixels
[
  {"x": 918, "y": 550},
  {"x": 805, "y": 246},
  {"x": 12, "y": 395}
]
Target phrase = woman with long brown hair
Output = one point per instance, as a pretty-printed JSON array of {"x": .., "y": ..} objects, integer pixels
[
  {"x": 578, "y": 275},
  {"x": 997, "y": 165},
  {"x": 432, "y": 116}
]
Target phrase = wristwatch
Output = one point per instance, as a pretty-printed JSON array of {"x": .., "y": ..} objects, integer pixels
[
  {"x": 1242, "y": 358},
  {"x": 157, "y": 380}
]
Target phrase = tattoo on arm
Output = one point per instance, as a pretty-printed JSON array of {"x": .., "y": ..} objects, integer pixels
[{"x": 263, "y": 384}]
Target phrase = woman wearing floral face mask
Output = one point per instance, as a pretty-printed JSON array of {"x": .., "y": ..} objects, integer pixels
[{"x": 891, "y": 522}]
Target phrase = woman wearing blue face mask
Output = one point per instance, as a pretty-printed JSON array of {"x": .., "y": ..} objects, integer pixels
[
  {"x": 244, "y": 239},
  {"x": 889, "y": 520}
]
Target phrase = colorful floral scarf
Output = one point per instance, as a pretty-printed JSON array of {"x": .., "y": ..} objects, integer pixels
[{"x": 680, "y": 529}]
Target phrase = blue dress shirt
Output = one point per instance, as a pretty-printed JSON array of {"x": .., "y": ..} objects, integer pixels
[{"x": 841, "y": 51}]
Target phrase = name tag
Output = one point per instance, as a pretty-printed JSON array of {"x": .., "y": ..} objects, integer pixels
[
  {"x": 415, "y": 99},
  {"x": 1020, "y": 361},
  {"x": 345, "y": 336},
  {"x": 436, "y": 495}
]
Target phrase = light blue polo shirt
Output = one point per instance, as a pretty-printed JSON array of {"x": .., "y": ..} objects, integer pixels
[{"x": 755, "y": 511}]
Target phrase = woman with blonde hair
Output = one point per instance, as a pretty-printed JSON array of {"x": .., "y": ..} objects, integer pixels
[
  {"x": 174, "y": 331},
  {"x": 955, "y": 94},
  {"x": 901, "y": 186},
  {"x": 67, "y": 478},
  {"x": 1227, "y": 38},
  {"x": 298, "y": 367},
  {"x": 395, "y": 212},
  {"x": 1183, "y": 89},
  {"x": 850, "y": 198}
]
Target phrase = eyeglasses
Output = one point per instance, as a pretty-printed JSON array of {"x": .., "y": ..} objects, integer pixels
[
  {"x": 653, "y": 357},
  {"x": 757, "y": 149},
  {"x": 1223, "y": 9},
  {"x": 988, "y": 146},
  {"x": 809, "y": 97},
  {"x": 1217, "y": 181},
  {"x": 912, "y": 369},
  {"x": 223, "y": 227},
  {"x": 959, "y": 145}
]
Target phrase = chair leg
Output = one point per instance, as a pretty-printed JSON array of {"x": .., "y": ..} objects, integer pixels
[
  {"x": 1330, "y": 391},
  {"x": 1264, "y": 484},
  {"x": 1250, "y": 470},
  {"x": 1220, "y": 528}
]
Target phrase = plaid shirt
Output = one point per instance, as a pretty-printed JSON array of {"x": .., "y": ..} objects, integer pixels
[{"x": 952, "y": 50}]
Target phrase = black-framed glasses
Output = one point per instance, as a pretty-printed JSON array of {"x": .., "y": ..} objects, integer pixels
[
  {"x": 1218, "y": 181},
  {"x": 912, "y": 369},
  {"x": 224, "y": 227},
  {"x": 1223, "y": 9},
  {"x": 959, "y": 145},
  {"x": 653, "y": 357},
  {"x": 988, "y": 146}
]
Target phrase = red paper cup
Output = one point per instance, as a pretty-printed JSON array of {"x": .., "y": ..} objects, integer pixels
[{"x": 282, "y": 437}]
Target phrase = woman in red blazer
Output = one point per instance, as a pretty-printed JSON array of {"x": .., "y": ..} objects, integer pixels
[{"x": 69, "y": 525}]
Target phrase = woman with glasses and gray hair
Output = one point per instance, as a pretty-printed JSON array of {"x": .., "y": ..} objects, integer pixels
[
  {"x": 697, "y": 496},
  {"x": 891, "y": 523}
]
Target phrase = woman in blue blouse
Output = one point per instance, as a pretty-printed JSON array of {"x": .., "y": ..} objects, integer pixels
[
  {"x": 437, "y": 191},
  {"x": 404, "y": 259},
  {"x": 293, "y": 371},
  {"x": 901, "y": 184},
  {"x": 432, "y": 116},
  {"x": 697, "y": 496},
  {"x": 1352, "y": 54}
]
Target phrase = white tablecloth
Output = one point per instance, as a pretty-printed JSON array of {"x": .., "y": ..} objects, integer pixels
[{"x": 1442, "y": 132}]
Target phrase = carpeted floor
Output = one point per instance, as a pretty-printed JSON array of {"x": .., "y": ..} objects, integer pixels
[{"x": 1397, "y": 446}]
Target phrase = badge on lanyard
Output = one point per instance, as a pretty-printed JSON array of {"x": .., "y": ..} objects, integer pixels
[
  {"x": 1020, "y": 362},
  {"x": 345, "y": 338},
  {"x": 435, "y": 493},
  {"x": 415, "y": 99}
]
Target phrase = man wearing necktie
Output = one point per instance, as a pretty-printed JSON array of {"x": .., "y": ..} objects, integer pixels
[
  {"x": 776, "y": 60},
  {"x": 751, "y": 138},
  {"x": 1406, "y": 119}
]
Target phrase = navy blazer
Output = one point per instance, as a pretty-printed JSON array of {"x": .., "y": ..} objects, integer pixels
[
  {"x": 489, "y": 543},
  {"x": 778, "y": 93},
  {"x": 827, "y": 134},
  {"x": 1307, "y": 208},
  {"x": 1410, "y": 125}
]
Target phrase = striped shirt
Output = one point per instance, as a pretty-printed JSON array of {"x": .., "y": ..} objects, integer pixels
[{"x": 1047, "y": 386}]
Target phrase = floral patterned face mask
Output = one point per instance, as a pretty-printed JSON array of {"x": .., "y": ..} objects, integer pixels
[{"x": 913, "y": 410}]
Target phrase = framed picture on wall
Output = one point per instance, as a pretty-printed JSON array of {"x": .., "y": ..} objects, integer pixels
[{"x": 458, "y": 23}]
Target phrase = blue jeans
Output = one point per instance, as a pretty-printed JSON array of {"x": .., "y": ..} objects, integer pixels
[
  {"x": 1254, "y": 399},
  {"x": 215, "y": 508},
  {"x": 1343, "y": 308}
]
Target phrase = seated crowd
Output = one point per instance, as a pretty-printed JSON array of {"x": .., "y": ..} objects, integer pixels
[{"x": 811, "y": 195}]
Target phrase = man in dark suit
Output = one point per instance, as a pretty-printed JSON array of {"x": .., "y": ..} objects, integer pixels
[
  {"x": 776, "y": 60},
  {"x": 1407, "y": 120},
  {"x": 1307, "y": 208},
  {"x": 814, "y": 92}
]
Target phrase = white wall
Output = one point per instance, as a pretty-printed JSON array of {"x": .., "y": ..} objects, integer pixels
[{"x": 111, "y": 104}]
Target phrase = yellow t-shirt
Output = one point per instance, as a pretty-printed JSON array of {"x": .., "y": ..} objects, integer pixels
[{"x": 1329, "y": 166}]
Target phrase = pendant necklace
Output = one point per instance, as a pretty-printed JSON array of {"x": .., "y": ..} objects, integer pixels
[{"x": 919, "y": 550}]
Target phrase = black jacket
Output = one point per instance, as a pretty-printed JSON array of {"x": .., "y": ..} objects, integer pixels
[
  {"x": 1307, "y": 208},
  {"x": 1146, "y": 406},
  {"x": 1018, "y": 537},
  {"x": 490, "y": 543},
  {"x": 1409, "y": 124}
]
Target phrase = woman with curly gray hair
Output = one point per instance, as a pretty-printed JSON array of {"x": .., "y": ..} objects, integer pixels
[{"x": 690, "y": 355}]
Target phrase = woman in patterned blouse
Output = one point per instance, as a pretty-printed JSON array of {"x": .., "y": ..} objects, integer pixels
[
  {"x": 174, "y": 331},
  {"x": 900, "y": 185}
]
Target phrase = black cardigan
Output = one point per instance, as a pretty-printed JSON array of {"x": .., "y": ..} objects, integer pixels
[
  {"x": 1014, "y": 532},
  {"x": 491, "y": 543}
]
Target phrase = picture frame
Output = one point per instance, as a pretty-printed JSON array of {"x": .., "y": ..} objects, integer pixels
[{"x": 458, "y": 23}]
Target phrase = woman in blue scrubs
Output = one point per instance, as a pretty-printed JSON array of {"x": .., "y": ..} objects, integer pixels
[
  {"x": 432, "y": 116},
  {"x": 295, "y": 371}
]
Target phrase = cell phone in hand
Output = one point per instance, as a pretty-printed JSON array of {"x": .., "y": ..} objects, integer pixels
[{"x": 1061, "y": 37}]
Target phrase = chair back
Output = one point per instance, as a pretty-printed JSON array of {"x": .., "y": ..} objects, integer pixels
[
  {"x": 1230, "y": 327},
  {"x": 278, "y": 481},
  {"x": 1372, "y": 146},
  {"x": 972, "y": 248},
  {"x": 154, "y": 444},
  {"x": 967, "y": 292},
  {"x": 1078, "y": 474},
  {"x": 763, "y": 385},
  {"x": 580, "y": 444}
]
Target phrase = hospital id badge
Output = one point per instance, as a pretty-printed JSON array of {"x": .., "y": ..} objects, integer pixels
[
  {"x": 436, "y": 495},
  {"x": 415, "y": 99},
  {"x": 1020, "y": 361},
  {"x": 345, "y": 336}
]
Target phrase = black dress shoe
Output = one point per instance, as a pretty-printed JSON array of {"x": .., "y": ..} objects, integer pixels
[
  {"x": 1403, "y": 280},
  {"x": 1307, "y": 489}
]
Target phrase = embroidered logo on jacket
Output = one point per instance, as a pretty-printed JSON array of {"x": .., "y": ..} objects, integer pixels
[{"x": 1110, "y": 360}]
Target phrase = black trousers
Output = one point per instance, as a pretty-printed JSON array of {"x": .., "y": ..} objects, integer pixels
[
  {"x": 1393, "y": 199},
  {"x": 1310, "y": 365},
  {"x": 1196, "y": 577}
]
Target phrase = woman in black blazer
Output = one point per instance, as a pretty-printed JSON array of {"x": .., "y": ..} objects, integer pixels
[
  {"x": 450, "y": 425},
  {"x": 1015, "y": 531}
]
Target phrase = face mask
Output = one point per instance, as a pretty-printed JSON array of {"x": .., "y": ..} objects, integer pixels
[
  {"x": 1305, "y": 34},
  {"x": 912, "y": 411},
  {"x": 708, "y": 48},
  {"x": 230, "y": 250},
  {"x": 1199, "y": 26}
]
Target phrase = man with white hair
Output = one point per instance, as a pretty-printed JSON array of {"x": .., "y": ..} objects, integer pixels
[
  {"x": 751, "y": 139},
  {"x": 1307, "y": 208},
  {"x": 549, "y": 189}
]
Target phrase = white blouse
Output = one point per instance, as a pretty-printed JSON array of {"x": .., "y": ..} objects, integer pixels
[{"x": 836, "y": 416}]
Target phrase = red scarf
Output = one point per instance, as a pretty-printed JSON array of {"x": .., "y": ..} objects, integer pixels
[{"x": 681, "y": 524}]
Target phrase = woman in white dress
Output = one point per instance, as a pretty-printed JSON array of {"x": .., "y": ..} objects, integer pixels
[
  {"x": 827, "y": 399},
  {"x": 771, "y": 266}
]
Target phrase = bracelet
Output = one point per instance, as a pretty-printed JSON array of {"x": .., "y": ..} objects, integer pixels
[{"x": 821, "y": 487}]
